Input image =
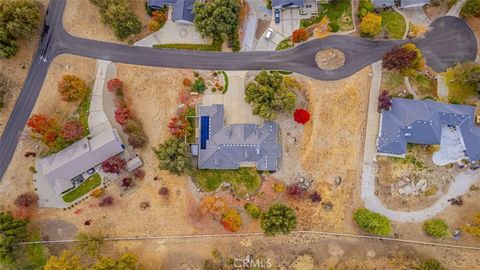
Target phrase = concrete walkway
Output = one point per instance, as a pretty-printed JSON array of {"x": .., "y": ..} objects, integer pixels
[
  {"x": 442, "y": 89},
  {"x": 410, "y": 88},
  {"x": 455, "y": 9}
]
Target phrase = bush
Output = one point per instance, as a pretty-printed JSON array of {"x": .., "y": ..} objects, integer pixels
[
  {"x": 97, "y": 193},
  {"x": 187, "y": 82},
  {"x": 107, "y": 201},
  {"x": 252, "y": 210},
  {"x": 431, "y": 264},
  {"x": 334, "y": 27},
  {"x": 372, "y": 222},
  {"x": 436, "y": 228},
  {"x": 301, "y": 116},
  {"x": 278, "y": 219},
  {"x": 72, "y": 88},
  {"x": 26, "y": 199},
  {"x": 300, "y": 35},
  {"x": 199, "y": 85},
  {"x": 384, "y": 101},
  {"x": 371, "y": 25},
  {"x": 231, "y": 220},
  {"x": 114, "y": 164},
  {"x": 296, "y": 192},
  {"x": 163, "y": 191},
  {"x": 114, "y": 85},
  {"x": 73, "y": 130},
  {"x": 284, "y": 44}
]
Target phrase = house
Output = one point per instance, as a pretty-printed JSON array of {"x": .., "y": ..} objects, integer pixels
[
  {"x": 278, "y": 4},
  {"x": 401, "y": 3},
  {"x": 421, "y": 122},
  {"x": 237, "y": 145},
  {"x": 65, "y": 168},
  {"x": 183, "y": 10}
]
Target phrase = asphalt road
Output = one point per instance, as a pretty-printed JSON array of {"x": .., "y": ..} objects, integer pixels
[{"x": 450, "y": 41}]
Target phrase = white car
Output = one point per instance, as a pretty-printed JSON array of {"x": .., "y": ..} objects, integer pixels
[{"x": 269, "y": 33}]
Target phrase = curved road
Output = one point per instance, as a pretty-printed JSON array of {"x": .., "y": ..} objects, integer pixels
[{"x": 449, "y": 41}]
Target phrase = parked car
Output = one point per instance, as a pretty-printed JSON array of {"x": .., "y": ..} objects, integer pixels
[
  {"x": 269, "y": 34},
  {"x": 277, "y": 15}
]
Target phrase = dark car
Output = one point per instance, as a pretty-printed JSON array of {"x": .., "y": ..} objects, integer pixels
[{"x": 277, "y": 15}]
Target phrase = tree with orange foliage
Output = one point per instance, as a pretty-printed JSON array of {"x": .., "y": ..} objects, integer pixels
[
  {"x": 40, "y": 123},
  {"x": 72, "y": 88},
  {"x": 231, "y": 220},
  {"x": 215, "y": 206},
  {"x": 300, "y": 35}
]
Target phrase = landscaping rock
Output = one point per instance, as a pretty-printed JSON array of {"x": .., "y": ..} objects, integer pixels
[
  {"x": 327, "y": 206},
  {"x": 421, "y": 185},
  {"x": 338, "y": 180}
]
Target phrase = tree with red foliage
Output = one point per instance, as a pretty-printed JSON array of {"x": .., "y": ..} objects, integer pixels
[
  {"x": 114, "y": 85},
  {"x": 114, "y": 164},
  {"x": 300, "y": 35},
  {"x": 122, "y": 114},
  {"x": 296, "y": 192},
  {"x": 399, "y": 58},
  {"x": 178, "y": 126},
  {"x": 40, "y": 123},
  {"x": 231, "y": 220},
  {"x": 50, "y": 137},
  {"x": 384, "y": 101},
  {"x": 301, "y": 116},
  {"x": 72, "y": 130}
]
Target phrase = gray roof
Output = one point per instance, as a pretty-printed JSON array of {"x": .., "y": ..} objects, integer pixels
[
  {"x": 183, "y": 10},
  {"x": 413, "y": 3},
  {"x": 421, "y": 121},
  {"x": 60, "y": 168},
  {"x": 229, "y": 147},
  {"x": 286, "y": 3},
  {"x": 383, "y": 3}
]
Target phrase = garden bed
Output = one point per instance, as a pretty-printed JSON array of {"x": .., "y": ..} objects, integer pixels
[
  {"x": 243, "y": 180},
  {"x": 91, "y": 183},
  {"x": 459, "y": 93}
]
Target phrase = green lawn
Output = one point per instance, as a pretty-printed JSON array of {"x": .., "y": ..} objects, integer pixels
[
  {"x": 216, "y": 45},
  {"x": 225, "y": 77},
  {"x": 284, "y": 44},
  {"x": 88, "y": 185},
  {"x": 459, "y": 93},
  {"x": 83, "y": 111},
  {"x": 338, "y": 12},
  {"x": 394, "y": 24},
  {"x": 243, "y": 180}
]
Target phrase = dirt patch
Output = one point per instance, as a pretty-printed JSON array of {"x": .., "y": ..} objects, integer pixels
[
  {"x": 414, "y": 182},
  {"x": 262, "y": 26},
  {"x": 81, "y": 18},
  {"x": 16, "y": 69},
  {"x": 474, "y": 23},
  {"x": 330, "y": 59}
]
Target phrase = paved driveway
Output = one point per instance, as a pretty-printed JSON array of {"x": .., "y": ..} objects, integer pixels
[
  {"x": 289, "y": 22},
  {"x": 173, "y": 32}
]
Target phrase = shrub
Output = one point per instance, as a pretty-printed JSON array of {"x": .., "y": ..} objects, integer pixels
[
  {"x": 114, "y": 164},
  {"x": 72, "y": 88},
  {"x": 315, "y": 197},
  {"x": 107, "y": 201},
  {"x": 122, "y": 114},
  {"x": 372, "y": 222},
  {"x": 199, "y": 85},
  {"x": 278, "y": 219},
  {"x": 127, "y": 182},
  {"x": 72, "y": 130},
  {"x": 436, "y": 228},
  {"x": 137, "y": 140},
  {"x": 26, "y": 199},
  {"x": 97, "y": 193},
  {"x": 278, "y": 187},
  {"x": 300, "y": 35},
  {"x": 163, "y": 191},
  {"x": 371, "y": 25},
  {"x": 365, "y": 7},
  {"x": 139, "y": 174},
  {"x": 384, "y": 101},
  {"x": 430, "y": 264},
  {"x": 178, "y": 126},
  {"x": 187, "y": 82},
  {"x": 114, "y": 85},
  {"x": 301, "y": 116},
  {"x": 231, "y": 220},
  {"x": 296, "y": 192},
  {"x": 252, "y": 210},
  {"x": 473, "y": 229},
  {"x": 398, "y": 58}
]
